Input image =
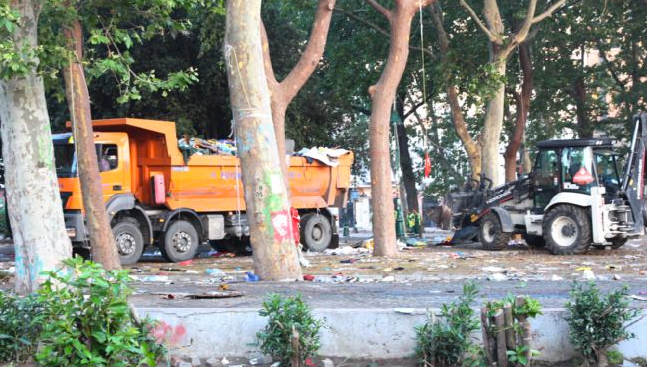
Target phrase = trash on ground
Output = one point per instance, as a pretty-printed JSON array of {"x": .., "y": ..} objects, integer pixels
[
  {"x": 346, "y": 250},
  {"x": 389, "y": 278},
  {"x": 497, "y": 277},
  {"x": 309, "y": 277},
  {"x": 588, "y": 275},
  {"x": 639, "y": 298},
  {"x": 215, "y": 272},
  {"x": 251, "y": 277},
  {"x": 493, "y": 269}
]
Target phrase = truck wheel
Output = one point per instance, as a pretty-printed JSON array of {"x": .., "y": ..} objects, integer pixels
[
  {"x": 180, "y": 242},
  {"x": 491, "y": 235},
  {"x": 534, "y": 240},
  {"x": 129, "y": 240},
  {"x": 316, "y": 232},
  {"x": 567, "y": 230}
]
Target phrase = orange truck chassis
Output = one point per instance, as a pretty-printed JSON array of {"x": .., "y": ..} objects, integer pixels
[{"x": 154, "y": 197}]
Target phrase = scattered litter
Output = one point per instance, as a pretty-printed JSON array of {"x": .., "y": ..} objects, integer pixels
[
  {"x": 260, "y": 360},
  {"x": 224, "y": 254},
  {"x": 399, "y": 268},
  {"x": 346, "y": 250},
  {"x": 401, "y": 245},
  {"x": 309, "y": 277},
  {"x": 328, "y": 363},
  {"x": 348, "y": 261},
  {"x": 556, "y": 277},
  {"x": 304, "y": 262},
  {"x": 493, "y": 269},
  {"x": 215, "y": 272},
  {"x": 251, "y": 277},
  {"x": 152, "y": 278},
  {"x": 215, "y": 295},
  {"x": 583, "y": 268},
  {"x": 225, "y": 361},
  {"x": 459, "y": 255},
  {"x": 211, "y": 253},
  {"x": 387, "y": 269},
  {"x": 185, "y": 263},
  {"x": 639, "y": 298},
  {"x": 616, "y": 277},
  {"x": 588, "y": 275},
  {"x": 406, "y": 311},
  {"x": 497, "y": 277},
  {"x": 156, "y": 253},
  {"x": 172, "y": 269},
  {"x": 389, "y": 278}
]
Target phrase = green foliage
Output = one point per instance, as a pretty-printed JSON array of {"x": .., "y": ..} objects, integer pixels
[
  {"x": 447, "y": 342},
  {"x": 20, "y": 324},
  {"x": 89, "y": 321},
  {"x": 615, "y": 357},
  {"x": 17, "y": 58},
  {"x": 283, "y": 315},
  {"x": 518, "y": 355},
  {"x": 598, "y": 321},
  {"x": 531, "y": 307}
]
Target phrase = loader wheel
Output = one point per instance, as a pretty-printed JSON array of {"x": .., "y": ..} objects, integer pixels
[
  {"x": 180, "y": 242},
  {"x": 491, "y": 234},
  {"x": 567, "y": 230},
  {"x": 129, "y": 240},
  {"x": 316, "y": 232},
  {"x": 534, "y": 240}
]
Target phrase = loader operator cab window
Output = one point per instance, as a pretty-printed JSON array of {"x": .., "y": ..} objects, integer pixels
[
  {"x": 606, "y": 163},
  {"x": 577, "y": 169},
  {"x": 545, "y": 178}
]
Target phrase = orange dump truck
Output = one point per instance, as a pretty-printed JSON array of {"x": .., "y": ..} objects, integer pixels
[{"x": 154, "y": 197}]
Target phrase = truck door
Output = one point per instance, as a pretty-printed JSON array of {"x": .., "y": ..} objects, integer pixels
[
  {"x": 545, "y": 178},
  {"x": 110, "y": 170}
]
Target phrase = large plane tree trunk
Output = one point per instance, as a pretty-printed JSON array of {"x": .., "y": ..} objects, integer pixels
[
  {"x": 282, "y": 93},
  {"x": 102, "y": 241},
  {"x": 33, "y": 200},
  {"x": 266, "y": 196},
  {"x": 523, "y": 107},
  {"x": 382, "y": 94}
]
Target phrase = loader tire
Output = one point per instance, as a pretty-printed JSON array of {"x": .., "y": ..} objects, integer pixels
[
  {"x": 180, "y": 242},
  {"x": 491, "y": 234},
  {"x": 567, "y": 230}
]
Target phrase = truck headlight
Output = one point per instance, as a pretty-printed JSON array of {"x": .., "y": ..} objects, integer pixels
[{"x": 71, "y": 232}]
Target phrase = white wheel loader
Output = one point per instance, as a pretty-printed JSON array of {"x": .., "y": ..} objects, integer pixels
[{"x": 574, "y": 198}]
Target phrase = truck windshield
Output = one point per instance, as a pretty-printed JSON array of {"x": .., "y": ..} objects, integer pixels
[{"x": 65, "y": 160}]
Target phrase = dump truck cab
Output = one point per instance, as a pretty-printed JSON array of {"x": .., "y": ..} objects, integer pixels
[{"x": 155, "y": 195}]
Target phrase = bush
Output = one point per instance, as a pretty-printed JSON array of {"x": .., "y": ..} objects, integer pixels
[
  {"x": 20, "y": 320},
  {"x": 286, "y": 314},
  {"x": 448, "y": 342},
  {"x": 89, "y": 322},
  {"x": 598, "y": 322}
]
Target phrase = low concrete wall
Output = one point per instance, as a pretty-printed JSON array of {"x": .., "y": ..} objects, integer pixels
[{"x": 353, "y": 333}]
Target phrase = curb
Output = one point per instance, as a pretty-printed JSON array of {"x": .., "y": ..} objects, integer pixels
[{"x": 386, "y": 333}]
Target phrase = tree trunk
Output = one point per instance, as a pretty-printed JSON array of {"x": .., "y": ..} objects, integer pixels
[
  {"x": 472, "y": 149},
  {"x": 492, "y": 126},
  {"x": 282, "y": 93},
  {"x": 406, "y": 165},
  {"x": 102, "y": 241},
  {"x": 523, "y": 108},
  {"x": 33, "y": 200},
  {"x": 382, "y": 94},
  {"x": 266, "y": 197},
  {"x": 584, "y": 126}
]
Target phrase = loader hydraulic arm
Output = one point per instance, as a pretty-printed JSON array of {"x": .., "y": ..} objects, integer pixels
[{"x": 633, "y": 177}]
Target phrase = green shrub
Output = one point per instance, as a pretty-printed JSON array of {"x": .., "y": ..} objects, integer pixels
[
  {"x": 598, "y": 321},
  {"x": 283, "y": 315},
  {"x": 448, "y": 342},
  {"x": 88, "y": 321},
  {"x": 20, "y": 320}
]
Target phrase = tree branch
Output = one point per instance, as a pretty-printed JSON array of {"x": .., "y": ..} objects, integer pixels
[
  {"x": 613, "y": 73},
  {"x": 527, "y": 23},
  {"x": 380, "y": 9},
  {"x": 312, "y": 54},
  {"x": 548, "y": 12},
  {"x": 493, "y": 38},
  {"x": 267, "y": 60}
]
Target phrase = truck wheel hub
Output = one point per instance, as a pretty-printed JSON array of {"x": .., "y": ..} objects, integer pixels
[
  {"x": 126, "y": 244},
  {"x": 182, "y": 241},
  {"x": 317, "y": 233},
  {"x": 564, "y": 231}
]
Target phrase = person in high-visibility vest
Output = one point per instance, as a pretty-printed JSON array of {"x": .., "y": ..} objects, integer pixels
[{"x": 414, "y": 220}]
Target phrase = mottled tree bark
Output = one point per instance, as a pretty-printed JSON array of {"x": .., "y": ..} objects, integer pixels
[
  {"x": 523, "y": 107},
  {"x": 382, "y": 95},
  {"x": 266, "y": 196},
  {"x": 584, "y": 125},
  {"x": 102, "y": 241},
  {"x": 33, "y": 200},
  {"x": 282, "y": 93},
  {"x": 406, "y": 165}
]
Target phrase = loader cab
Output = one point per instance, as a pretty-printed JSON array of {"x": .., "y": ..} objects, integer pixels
[{"x": 575, "y": 166}]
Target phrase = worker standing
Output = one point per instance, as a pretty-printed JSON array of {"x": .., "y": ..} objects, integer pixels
[{"x": 414, "y": 220}]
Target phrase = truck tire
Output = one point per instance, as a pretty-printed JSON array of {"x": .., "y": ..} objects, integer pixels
[
  {"x": 129, "y": 240},
  {"x": 316, "y": 232},
  {"x": 567, "y": 230},
  {"x": 180, "y": 242},
  {"x": 491, "y": 234},
  {"x": 534, "y": 240}
]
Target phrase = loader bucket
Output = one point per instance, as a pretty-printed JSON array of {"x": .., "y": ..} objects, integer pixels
[{"x": 465, "y": 235}]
